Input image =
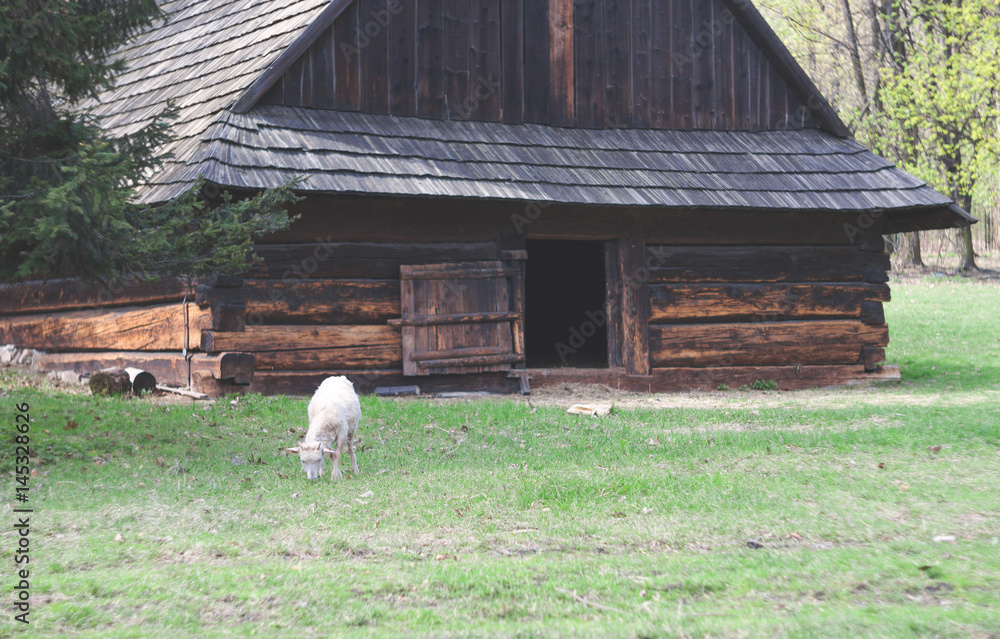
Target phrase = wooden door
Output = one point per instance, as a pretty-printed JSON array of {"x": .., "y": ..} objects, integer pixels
[{"x": 461, "y": 318}]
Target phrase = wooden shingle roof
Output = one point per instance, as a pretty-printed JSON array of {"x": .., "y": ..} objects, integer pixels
[
  {"x": 343, "y": 152},
  {"x": 202, "y": 57},
  {"x": 208, "y": 54}
]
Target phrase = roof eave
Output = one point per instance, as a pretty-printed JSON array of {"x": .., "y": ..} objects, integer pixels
[{"x": 935, "y": 218}]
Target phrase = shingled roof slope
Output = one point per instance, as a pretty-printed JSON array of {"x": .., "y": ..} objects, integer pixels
[
  {"x": 343, "y": 152},
  {"x": 208, "y": 53},
  {"x": 202, "y": 57}
]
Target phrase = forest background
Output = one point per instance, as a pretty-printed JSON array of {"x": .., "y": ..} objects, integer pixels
[{"x": 917, "y": 81}]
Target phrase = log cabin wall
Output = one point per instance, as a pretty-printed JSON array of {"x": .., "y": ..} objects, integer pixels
[
  {"x": 751, "y": 306},
  {"x": 154, "y": 326},
  {"x": 730, "y": 291},
  {"x": 685, "y": 64},
  {"x": 726, "y": 294},
  {"x": 321, "y": 301}
]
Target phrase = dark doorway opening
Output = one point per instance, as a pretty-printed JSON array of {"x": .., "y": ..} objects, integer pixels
[{"x": 565, "y": 323}]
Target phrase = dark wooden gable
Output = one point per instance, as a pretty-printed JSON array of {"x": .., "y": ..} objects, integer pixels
[{"x": 662, "y": 64}]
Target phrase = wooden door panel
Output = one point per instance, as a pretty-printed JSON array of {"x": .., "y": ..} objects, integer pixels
[{"x": 457, "y": 318}]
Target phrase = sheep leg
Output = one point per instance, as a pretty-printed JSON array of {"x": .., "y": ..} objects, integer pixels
[
  {"x": 335, "y": 458},
  {"x": 350, "y": 451}
]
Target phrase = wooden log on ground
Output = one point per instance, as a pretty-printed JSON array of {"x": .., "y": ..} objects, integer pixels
[
  {"x": 47, "y": 296},
  {"x": 113, "y": 381},
  {"x": 763, "y": 343},
  {"x": 168, "y": 368},
  {"x": 681, "y": 303},
  {"x": 142, "y": 381},
  {"x": 277, "y": 302},
  {"x": 312, "y": 347},
  {"x": 735, "y": 264},
  {"x": 153, "y": 328}
]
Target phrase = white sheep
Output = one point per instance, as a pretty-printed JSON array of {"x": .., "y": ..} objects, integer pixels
[{"x": 334, "y": 413}]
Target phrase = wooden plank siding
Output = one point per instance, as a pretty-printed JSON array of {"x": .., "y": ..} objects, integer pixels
[
  {"x": 713, "y": 306},
  {"x": 671, "y": 64}
]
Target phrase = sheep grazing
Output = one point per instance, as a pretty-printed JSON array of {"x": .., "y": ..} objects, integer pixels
[{"x": 334, "y": 413}]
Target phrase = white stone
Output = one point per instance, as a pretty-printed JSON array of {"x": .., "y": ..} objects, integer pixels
[{"x": 7, "y": 353}]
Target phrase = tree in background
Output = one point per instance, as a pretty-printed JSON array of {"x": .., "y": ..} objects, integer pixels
[
  {"x": 921, "y": 87},
  {"x": 66, "y": 188}
]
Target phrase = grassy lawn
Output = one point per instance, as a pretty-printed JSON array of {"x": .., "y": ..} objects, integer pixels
[{"x": 726, "y": 514}]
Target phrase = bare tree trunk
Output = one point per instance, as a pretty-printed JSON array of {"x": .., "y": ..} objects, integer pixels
[
  {"x": 968, "y": 254},
  {"x": 968, "y": 262},
  {"x": 852, "y": 42},
  {"x": 911, "y": 256}
]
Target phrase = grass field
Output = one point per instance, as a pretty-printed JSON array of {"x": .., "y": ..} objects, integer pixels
[{"x": 727, "y": 514}]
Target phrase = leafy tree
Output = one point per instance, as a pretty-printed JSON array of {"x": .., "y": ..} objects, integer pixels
[
  {"x": 940, "y": 103},
  {"x": 67, "y": 205},
  {"x": 921, "y": 87}
]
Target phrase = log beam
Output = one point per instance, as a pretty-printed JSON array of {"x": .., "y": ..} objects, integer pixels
[
  {"x": 152, "y": 328},
  {"x": 763, "y": 343}
]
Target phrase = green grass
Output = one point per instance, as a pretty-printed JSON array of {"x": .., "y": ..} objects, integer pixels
[{"x": 732, "y": 514}]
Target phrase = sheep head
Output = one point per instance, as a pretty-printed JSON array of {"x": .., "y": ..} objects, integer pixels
[{"x": 311, "y": 455}]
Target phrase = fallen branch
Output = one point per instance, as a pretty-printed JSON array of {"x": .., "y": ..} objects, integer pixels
[{"x": 181, "y": 391}]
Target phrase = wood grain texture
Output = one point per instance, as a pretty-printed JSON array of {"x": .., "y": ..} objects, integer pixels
[
  {"x": 403, "y": 61},
  {"x": 153, "y": 328},
  {"x": 485, "y": 64},
  {"x": 43, "y": 296},
  {"x": 618, "y": 63},
  {"x": 536, "y": 61},
  {"x": 512, "y": 59},
  {"x": 450, "y": 307},
  {"x": 763, "y": 343},
  {"x": 683, "y": 303},
  {"x": 345, "y": 61},
  {"x": 373, "y": 56},
  {"x": 589, "y": 64},
  {"x": 270, "y": 302},
  {"x": 562, "y": 80},
  {"x": 641, "y": 43},
  {"x": 431, "y": 53},
  {"x": 260, "y": 339},
  {"x": 635, "y": 302}
]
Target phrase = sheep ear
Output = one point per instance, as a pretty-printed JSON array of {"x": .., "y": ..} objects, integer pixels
[
  {"x": 292, "y": 450},
  {"x": 327, "y": 450}
]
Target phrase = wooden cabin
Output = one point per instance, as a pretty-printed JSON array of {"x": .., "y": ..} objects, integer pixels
[{"x": 649, "y": 194}]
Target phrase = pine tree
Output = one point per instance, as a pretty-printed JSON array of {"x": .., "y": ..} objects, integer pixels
[{"x": 66, "y": 187}]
